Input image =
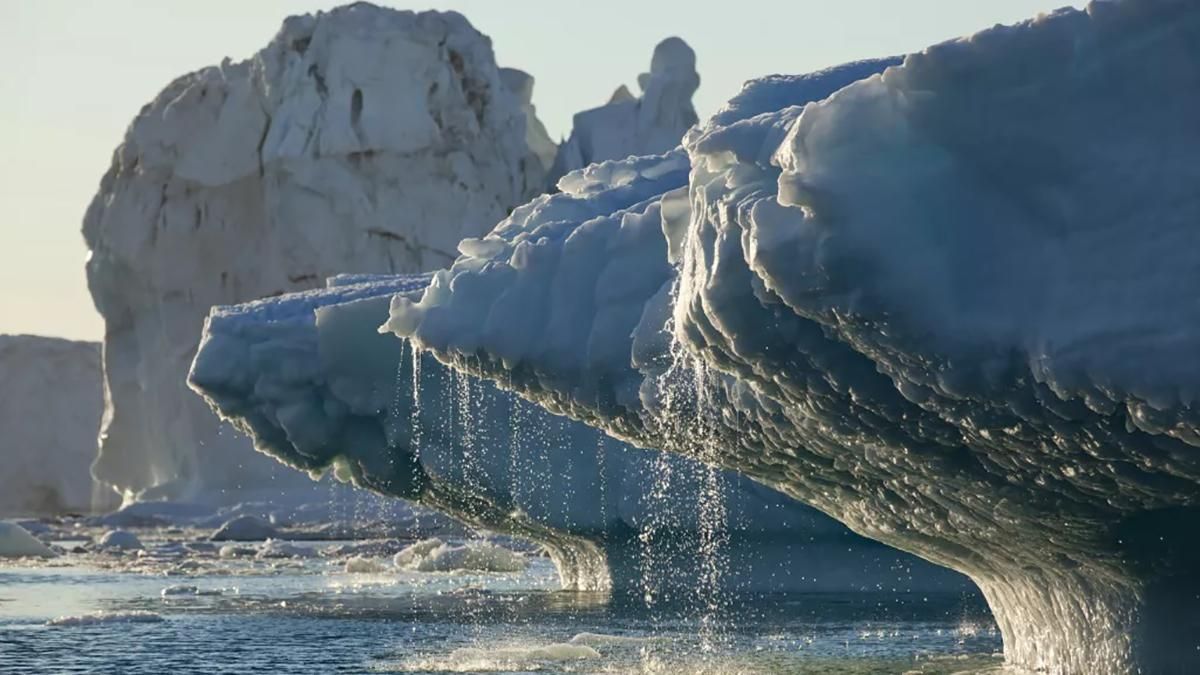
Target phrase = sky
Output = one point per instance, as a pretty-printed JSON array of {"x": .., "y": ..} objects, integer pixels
[{"x": 77, "y": 71}]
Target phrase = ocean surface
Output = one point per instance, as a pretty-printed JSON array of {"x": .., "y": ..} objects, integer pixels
[{"x": 171, "y": 609}]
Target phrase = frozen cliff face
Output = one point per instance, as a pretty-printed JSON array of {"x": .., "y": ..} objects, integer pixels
[
  {"x": 537, "y": 138},
  {"x": 647, "y": 125},
  {"x": 950, "y": 305},
  {"x": 362, "y": 140},
  {"x": 310, "y": 377},
  {"x": 50, "y": 403}
]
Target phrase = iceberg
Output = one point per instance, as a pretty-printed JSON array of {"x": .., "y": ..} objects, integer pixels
[
  {"x": 17, "y": 542},
  {"x": 361, "y": 139},
  {"x": 949, "y": 305},
  {"x": 312, "y": 380},
  {"x": 627, "y": 125},
  {"x": 50, "y": 408}
]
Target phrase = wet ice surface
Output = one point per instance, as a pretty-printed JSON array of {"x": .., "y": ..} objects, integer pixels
[{"x": 180, "y": 606}]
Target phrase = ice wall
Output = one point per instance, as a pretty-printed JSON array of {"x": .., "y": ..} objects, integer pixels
[
  {"x": 359, "y": 140},
  {"x": 50, "y": 403},
  {"x": 310, "y": 377},
  {"x": 649, "y": 124},
  {"x": 950, "y": 305}
]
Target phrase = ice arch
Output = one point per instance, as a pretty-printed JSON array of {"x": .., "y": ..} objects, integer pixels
[{"x": 310, "y": 378}]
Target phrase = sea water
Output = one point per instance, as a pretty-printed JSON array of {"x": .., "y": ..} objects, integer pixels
[{"x": 182, "y": 605}]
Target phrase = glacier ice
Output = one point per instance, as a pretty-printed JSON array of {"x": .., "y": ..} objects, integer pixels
[
  {"x": 310, "y": 377},
  {"x": 949, "y": 305},
  {"x": 50, "y": 408},
  {"x": 627, "y": 125},
  {"x": 119, "y": 540},
  {"x": 17, "y": 542},
  {"x": 244, "y": 528},
  {"x": 435, "y": 555},
  {"x": 359, "y": 140}
]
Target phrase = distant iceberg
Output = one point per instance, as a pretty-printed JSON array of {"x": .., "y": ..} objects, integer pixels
[
  {"x": 50, "y": 407},
  {"x": 636, "y": 125}
]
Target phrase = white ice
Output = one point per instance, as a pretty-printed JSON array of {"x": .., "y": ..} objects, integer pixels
[
  {"x": 950, "y": 305},
  {"x": 50, "y": 405},
  {"x": 361, "y": 139},
  {"x": 16, "y": 542}
]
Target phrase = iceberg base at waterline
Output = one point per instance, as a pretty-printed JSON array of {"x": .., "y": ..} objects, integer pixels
[{"x": 316, "y": 385}]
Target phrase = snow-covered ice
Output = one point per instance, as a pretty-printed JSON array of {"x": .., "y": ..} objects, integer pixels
[
  {"x": 244, "y": 528},
  {"x": 362, "y": 565},
  {"x": 119, "y": 540},
  {"x": 104, "y": 617},
  {"x": 949, "y": 305},
  {"x": 435, "y": 555}
]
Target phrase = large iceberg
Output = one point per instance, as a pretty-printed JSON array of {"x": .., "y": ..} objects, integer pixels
[
  {"x": 317, "y": 386},
  {"x": 949, "y": 305},
  {"x": 362, "y": 139},
  {"x": 50, "y": 404}
]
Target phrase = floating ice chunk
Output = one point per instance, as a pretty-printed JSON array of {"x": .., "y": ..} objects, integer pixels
[
  {"x": 245, "y": 528},
  {"x": 105, "y": 617},
  {"x": 435, "y": 555},
  {"x": 275, "y": 548},
  {"x": 17, "y": 542},
  {"x": 120, "y": 540},
  {"x": 602, "y": 639},
  {"x": 179, "y": 589},
  {"x": 386, "y": 547},
  {"x": 362, "y": 565},
  {"x": 412, "y": 555},
  {"x": 235, "y": 551}
]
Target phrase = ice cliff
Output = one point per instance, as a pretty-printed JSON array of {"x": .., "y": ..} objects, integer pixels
[
  {"x": 50, "y": 406},
  {"x": 361, "y": 140},
  {"x": 950, "y": 305},
  {"x": 649, "y": 124},
  {"x": 309, "y": 376}
]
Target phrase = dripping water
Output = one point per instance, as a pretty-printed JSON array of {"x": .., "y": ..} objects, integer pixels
[{"x": 415, "y": 435}]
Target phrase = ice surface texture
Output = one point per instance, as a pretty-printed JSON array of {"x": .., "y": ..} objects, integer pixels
[
  {"x": 358, "y": 140},
  {"x": 50, "y": 404},
  {"x": 950, "y": 305},
  {"x": 310, "y": 377}
]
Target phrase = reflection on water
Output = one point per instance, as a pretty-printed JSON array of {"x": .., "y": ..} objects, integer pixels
[{"x": 173, "y": 610}]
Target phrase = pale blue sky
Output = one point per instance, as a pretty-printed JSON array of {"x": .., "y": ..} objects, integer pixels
[{"x": 76, "y": 71}]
